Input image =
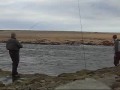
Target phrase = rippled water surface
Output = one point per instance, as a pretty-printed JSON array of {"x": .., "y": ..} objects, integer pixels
[{"x": 57, "y": 59}]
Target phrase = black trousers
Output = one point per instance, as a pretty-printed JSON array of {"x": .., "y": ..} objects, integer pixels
[
  {"x": 14, "y": 54},
  {"x": 116, "y": 58}
]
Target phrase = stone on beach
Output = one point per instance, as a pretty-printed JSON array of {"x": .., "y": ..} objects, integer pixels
[{"x": 88, "y": 83}]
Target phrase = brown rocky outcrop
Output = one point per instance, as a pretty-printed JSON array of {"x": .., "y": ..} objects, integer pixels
[{"x": 106, "y": 43}]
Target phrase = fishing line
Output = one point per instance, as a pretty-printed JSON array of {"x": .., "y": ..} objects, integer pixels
[
  {"x": 34, "y": 25},
  {"x": 82, "y": 34}
]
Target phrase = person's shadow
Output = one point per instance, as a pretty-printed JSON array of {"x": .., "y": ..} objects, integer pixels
[{"x": 15, "y": 79}]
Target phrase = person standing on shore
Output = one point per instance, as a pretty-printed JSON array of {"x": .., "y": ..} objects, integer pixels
[
  {"x": 13, "y": 45},
  {"x": 117, "y": 50}
]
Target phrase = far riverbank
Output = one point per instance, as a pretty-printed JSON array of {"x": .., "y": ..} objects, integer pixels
[{"x": 60, "y": 37}]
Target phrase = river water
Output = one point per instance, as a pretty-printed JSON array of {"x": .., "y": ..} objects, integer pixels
[{"x": 57, "y": 59}]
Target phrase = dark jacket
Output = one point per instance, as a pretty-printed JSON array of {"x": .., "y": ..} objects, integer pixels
[
  {"x": 13, "y": 44},
  {"x": 116, "y": 45}
]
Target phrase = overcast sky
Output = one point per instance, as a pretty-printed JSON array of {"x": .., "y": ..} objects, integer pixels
[{"x": 96, "y": 15}]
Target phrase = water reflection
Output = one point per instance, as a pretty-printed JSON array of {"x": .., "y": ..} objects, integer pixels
[{"x": 8, "y": 79}]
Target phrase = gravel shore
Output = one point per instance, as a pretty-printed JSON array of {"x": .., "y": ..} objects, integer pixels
[{"x": 109, "y": 76}]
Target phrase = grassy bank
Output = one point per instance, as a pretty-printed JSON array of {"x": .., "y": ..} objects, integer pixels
[{"x": 61, "y": 37}]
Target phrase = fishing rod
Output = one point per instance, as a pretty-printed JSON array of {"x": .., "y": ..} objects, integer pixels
[
  {"x": 82, "y": 34},
  {"x": 81, "y": 27}
]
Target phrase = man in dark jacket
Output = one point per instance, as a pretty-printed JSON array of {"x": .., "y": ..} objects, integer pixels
[
  {"x": 14, "y": 46},
  {"x": 117, "y": 50}
]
